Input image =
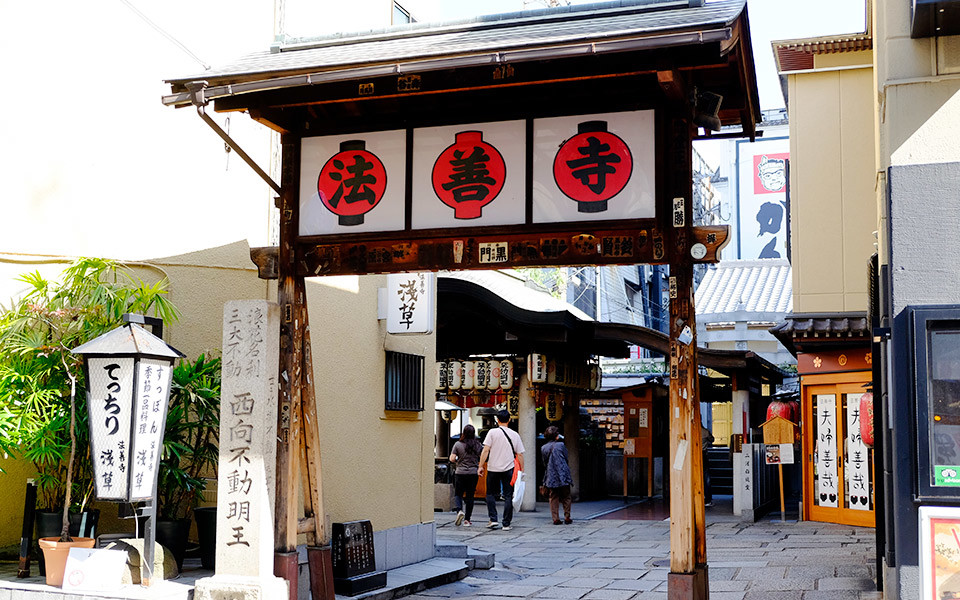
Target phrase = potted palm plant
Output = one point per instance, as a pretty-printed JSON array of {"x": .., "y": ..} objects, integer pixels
[
  {"x": 39, "y": 375},
  {"x": 190, "y": 450}
]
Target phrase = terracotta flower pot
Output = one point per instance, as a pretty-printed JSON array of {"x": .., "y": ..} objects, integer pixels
[{"x": 55, "y": 554}]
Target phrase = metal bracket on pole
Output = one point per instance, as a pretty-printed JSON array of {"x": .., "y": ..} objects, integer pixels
[{"x": 197, "y": 98}]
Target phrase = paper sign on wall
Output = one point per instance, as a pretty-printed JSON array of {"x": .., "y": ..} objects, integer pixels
[
  {"x": 410, "y": 302},
  {"x": 94, "y": 569}
]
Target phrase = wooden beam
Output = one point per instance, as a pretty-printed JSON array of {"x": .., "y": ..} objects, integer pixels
[
  {"x": 673, "y": 86},
  {"x": 312, "y": 480},
  {"x": 408, "y": 252},
  {"x": 687, "y": 542},
  {"x": 290, "y": 297},
  {"x": 581, "y": 246}
]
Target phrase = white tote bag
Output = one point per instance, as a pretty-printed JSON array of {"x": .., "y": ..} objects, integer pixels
[{"x": 518, "y": 492}]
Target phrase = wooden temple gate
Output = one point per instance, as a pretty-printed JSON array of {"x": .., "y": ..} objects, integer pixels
[{"x": 676, "y": 64}]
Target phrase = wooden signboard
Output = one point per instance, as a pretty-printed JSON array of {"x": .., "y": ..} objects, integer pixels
[{"x": 777, "y": 431}]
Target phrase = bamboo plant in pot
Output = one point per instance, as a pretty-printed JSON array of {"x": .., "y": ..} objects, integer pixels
[
  {"x": 39, "y": 377},
  {"x": 190, "y": 450}
]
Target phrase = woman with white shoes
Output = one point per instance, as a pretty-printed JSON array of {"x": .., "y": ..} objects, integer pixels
[{"x": 466, "y": 455}]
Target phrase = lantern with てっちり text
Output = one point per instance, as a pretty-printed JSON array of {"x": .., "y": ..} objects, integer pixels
[{"x": 128, "y": 372}]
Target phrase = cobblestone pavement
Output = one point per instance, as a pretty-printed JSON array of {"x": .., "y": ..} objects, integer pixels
[{"x": 594, "y": 559}]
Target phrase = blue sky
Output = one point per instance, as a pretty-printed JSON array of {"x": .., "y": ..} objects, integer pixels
[{"x": 769, "y": 20}]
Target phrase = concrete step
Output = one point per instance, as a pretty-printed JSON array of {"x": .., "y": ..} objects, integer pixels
[
  {"x": 481, "y": 560},
  {"x": 448, "y": 549},
  {"x": 417, "y": 577}
]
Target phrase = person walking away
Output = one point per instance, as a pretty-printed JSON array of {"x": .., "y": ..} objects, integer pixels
[
  {"x": 466, "y": 455},
  {"x": 557, "y": 478},
  {"x": 501, "y": 446}
]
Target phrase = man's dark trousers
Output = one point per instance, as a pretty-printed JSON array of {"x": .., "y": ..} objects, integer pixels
[{"x": 495, "y": 482}]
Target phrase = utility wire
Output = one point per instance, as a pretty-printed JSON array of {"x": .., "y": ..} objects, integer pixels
[{"x": 162, "y": 32}]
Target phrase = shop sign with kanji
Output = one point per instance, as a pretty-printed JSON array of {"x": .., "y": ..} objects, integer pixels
[{"x": 410, "y": 302}]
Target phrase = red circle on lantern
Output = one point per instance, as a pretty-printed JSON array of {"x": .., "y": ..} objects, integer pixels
[
  {"x": 468, "y": 175},
  {"x": 352, "y": 182},
  {"x": 593, "y": 166}
]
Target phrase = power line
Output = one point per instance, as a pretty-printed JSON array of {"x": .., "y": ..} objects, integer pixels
[{"x": 163, "y": 32}]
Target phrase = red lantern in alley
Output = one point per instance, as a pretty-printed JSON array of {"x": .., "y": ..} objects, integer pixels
[
  {"x": 795, "y": 406},
  {"x": 779, "y": 408},
  {"x": 866, "y": 418}
]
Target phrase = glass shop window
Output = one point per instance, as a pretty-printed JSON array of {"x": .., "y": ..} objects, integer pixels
[{"x": 943, "y": 385}]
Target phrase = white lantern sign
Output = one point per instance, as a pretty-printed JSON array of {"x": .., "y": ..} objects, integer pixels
[
  {"x": 469, "y": 373},
  {"x": 454, "y": 374},
  {"x": 493, "y": 374},
  {"x": 441, "y": 376},
  {"x": 537, "y": 368},
  {"x": 506, "y": 374},
  {"x": 128, "y": 373}
]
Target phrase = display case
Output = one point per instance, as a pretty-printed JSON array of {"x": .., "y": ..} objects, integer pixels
[{"x": 936, "y": 371}]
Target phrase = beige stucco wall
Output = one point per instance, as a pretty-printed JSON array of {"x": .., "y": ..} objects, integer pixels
[
  {"x": 376, "y": 466},
  {"x": 833, "y": 207}
]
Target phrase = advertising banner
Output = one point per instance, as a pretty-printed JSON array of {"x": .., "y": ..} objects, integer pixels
[{"x": 764, "y": 209}]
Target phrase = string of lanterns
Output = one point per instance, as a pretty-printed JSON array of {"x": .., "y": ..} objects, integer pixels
[{"x": 489, "y": 382}]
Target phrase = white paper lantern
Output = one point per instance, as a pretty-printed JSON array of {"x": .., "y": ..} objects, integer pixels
[
  {"x": 469, "y": 372},
  {"x": 596, "y": 377},
  {"x": 537, "y": 368},
  {"x": 480, "y": 375},
  {"x": 454, "y": 374},
  {"x": 506, "y": 374},
  {"x": 442, "y": 375},
  {"x": 493, "y": 374}
]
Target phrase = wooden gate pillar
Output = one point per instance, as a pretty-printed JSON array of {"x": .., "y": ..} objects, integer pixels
[
  {"x": 688, "y": 570},
  {"x": 291, "y": 297}
]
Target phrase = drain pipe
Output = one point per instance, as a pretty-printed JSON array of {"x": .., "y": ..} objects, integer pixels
[{"x": 197, "y": 98}]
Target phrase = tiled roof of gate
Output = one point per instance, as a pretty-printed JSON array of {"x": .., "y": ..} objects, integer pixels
[
  {"x": 763, "y": 286},
  {"x": 494, "y": 33}
]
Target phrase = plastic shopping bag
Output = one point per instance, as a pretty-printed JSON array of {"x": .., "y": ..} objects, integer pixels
[{"x": 518, "y": 492}]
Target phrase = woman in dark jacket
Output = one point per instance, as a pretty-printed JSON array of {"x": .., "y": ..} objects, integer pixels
[
  {"x": 557, "y": 478},
  {"x": 466, "y": 455}
]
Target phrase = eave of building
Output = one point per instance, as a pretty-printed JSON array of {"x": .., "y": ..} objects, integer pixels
[
  {"x": 800, "y": 54},
  {"x": 800, "y": 332}
]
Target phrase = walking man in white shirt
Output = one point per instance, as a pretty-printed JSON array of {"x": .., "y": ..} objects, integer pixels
[{"x": 499, "y": 448}]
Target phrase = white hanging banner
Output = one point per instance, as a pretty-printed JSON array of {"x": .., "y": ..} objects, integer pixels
[
  {"x": 856, "y": 462},
  {"x": 826, "y": 467},
  {"x": 763, "y": 198},
  {"x": 410, "y": 302}
]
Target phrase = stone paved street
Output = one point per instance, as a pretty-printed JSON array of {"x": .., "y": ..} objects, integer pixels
[{"x": 607, "y": 559}]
